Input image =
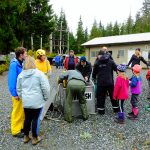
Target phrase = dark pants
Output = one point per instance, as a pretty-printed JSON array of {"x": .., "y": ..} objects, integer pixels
[
  {"x": 71, "y": 67},
  {"x": 32, "y": 116},
  {"x": 101, "y": 96},
  {"x": 121, "y": 102},
  {"x": 134, "y": 100}
]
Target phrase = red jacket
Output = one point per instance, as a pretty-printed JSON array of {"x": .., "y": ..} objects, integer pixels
[
  {"x": 148, "y": 75},
  {"x": 121, "y": 89},
  {"x": 67, "y": 60}
]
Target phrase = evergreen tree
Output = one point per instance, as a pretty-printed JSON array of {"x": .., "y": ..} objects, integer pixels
[
  {"x": 72, "y": 42},
  {"x": 95, "y": 31},
  {"x": 109, "y": 30},
  {"x": 116, "y": 30},
  {"x": 129, "y": 25},
  {"x": 80, "y": 36},
  {"x": 86, "y": 36},
  {"x": 122, "y": 29}
]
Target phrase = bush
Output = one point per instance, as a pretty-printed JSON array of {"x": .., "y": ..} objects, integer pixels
[{"x": 3, "y": 68}]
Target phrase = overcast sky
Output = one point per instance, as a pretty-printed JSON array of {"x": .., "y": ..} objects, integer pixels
[{"x": 105, "y": 10}]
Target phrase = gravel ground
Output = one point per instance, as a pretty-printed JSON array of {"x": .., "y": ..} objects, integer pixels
[{"x": 97, "y": 133}]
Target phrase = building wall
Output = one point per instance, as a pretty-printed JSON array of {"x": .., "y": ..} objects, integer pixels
[{"x": 120, "y": 53}]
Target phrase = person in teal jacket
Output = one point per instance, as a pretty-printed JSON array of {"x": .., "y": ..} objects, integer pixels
[{"x": 17, "y": 116}]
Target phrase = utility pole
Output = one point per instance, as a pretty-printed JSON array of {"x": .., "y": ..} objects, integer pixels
[
  {"x": 41, "y": 41},
  {"x": 68, "y": 40},
  {"x": 50, "y": 43},
  {"x": 60, "y": 37},
  {"x": 32, "y": 41}
]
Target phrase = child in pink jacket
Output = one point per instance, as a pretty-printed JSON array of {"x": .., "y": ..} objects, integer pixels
[{"x": 121, "y": 91}]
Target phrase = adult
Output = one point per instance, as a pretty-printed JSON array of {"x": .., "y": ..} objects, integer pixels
[
  {"x": 103, "y": 76},
  {"x": 57, "y": 61},
  {"x": 85, "y": 68},
  {"x": 42, "y": 63},
  {"x": 105, "y": 51},
  {"x": 137, "y": 58},
  {"x": 17, "y": 115},
  {"x": 70, "y": 61},
  {"x": 33, "y": 88},
  {"x": 75, "y": 88}
]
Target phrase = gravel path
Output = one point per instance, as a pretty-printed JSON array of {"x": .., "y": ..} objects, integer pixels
[{"x": 97, "y": 133}]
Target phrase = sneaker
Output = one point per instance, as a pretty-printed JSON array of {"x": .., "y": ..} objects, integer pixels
[
  {"x": 19, "y": 135},
  {"x": 132, "y": 117},
  {"x": 36, "y": 140},
  {"x": 130, "y": 114},
  {"x": 120, "y": 121},
  {"x": 26, "y": 139}
]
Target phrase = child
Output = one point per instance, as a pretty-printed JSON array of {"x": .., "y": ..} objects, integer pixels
[
  {"x": 34, "y": 89},
  {"x": 135, "y": 84},
  {"x": 148, "y": 97},
  {"x": 121, "y": 91}
]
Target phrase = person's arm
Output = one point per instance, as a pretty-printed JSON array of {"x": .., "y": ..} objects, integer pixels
[
  {"x": 95, "y": 71},
  {"x": 89, "y": 71},
  {"x": 78, "y": 66},
  {"x": 131, "y": 59},
  {"x": 12, "y": 79},
  {"x": 45, "y": 87},
  {"x": 62, "y": 77},
  {"x": 114, "y": 66},
  {"x": 117, "y": 88},
  {"x": 19, "y": 87},
  {"x": 144, "y": 61},
  {"x": 134, "y": 81}
]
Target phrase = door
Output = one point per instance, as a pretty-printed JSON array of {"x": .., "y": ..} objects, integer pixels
[{"x": 130, "y": 53}]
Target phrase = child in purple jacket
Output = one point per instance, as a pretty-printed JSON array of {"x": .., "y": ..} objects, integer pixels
[{"x": 135, "y": 84}]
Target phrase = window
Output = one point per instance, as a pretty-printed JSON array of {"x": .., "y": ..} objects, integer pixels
[
  {"x": 120, "y": 53},
  {"x": 94, "y": 53},
  {"x": 146, "y": 47}
]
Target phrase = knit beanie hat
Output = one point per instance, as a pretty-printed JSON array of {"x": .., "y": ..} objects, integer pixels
[
  {"x": 121, "y": 68},
  {"x": 83, "y": 58}
]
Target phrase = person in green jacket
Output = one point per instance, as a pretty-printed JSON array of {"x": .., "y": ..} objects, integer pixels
[{"x": 75, "y": 88}]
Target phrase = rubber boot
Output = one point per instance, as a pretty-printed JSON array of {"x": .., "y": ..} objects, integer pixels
[
  {"x": 121, "y": 118},
  {"x": 134, "y": 114},
  {"x": 84, "y": 111}
]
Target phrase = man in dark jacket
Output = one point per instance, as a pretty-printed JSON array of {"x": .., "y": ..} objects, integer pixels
[
  {"x": 75, "y": 88},
  {"x": 103, "y": 73},
  {"x": 85, "y": 68}
]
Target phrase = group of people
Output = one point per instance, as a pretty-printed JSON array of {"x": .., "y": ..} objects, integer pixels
[{"x": 29, "y": 86}]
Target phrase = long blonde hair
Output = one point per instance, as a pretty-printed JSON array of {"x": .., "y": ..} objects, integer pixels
[
  {"x": 137, "y": 52},
  {"x": 29, "y": 63},
  {"x": 123, "y": 75}
]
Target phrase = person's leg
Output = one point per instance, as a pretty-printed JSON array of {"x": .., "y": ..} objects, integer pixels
[
  {"x": 27, "y": 124},
  {"x": 82, "y": 100},
  {"x": 36, "y": 121},
  {"x": 121, "y": 117},
  {"x": 101, "y": 96},
  {"x": 68, "y": 102},
  {"x": 134, "y": 113},
  {"x": 115, "y": 103},
  {"x": 17, "y": 117}
]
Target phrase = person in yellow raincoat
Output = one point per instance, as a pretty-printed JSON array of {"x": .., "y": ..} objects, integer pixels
[
  {"x": 17, "y": 115},
  {"x": 42, "y": 63}
]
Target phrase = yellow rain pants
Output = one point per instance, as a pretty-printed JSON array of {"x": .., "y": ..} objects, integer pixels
[{"x": 17, "y": 116}]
